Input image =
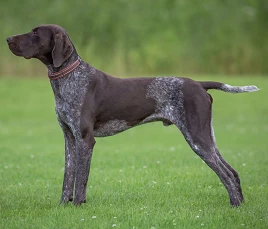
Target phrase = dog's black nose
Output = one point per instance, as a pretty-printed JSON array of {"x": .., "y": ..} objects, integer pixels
[{"x": 9, "y": 39}]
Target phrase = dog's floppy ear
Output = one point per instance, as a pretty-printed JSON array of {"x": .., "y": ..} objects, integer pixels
[{"x": 62, "y": 50}]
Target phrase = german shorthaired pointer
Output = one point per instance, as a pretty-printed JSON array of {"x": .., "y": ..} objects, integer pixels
[{"x": 91, "y": 103}]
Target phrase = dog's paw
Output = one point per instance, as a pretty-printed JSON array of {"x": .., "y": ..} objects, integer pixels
[
  {"x": 78, "y": 202},
  {"x": 236, "y": 202},
  {"x": 65, "y": 200}
]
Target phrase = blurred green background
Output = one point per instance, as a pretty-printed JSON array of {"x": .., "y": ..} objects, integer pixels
[{"x": 140, "y": 37}]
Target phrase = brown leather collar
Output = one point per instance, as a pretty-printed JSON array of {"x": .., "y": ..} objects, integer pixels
[{"x": 65, "y": 71}]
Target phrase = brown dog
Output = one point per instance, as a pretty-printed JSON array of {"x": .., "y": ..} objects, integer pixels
[{"x": 91, "y": 103}]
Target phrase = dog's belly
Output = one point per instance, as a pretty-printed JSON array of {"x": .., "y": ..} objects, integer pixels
[{"x": 113, "y": 127}]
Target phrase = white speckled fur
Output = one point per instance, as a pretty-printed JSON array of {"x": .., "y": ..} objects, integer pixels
[
  {"x": 166, "y": 91},
  {"x": 111, "y": 128},
  {"x": 238, "y": 89},
  {"x": 69, "y": 96}
]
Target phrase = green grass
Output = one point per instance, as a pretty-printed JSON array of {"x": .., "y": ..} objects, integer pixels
[{"x": 146, "y": 177}]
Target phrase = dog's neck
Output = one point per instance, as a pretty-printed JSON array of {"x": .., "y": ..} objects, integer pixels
[{"x": 52, "y": 69}]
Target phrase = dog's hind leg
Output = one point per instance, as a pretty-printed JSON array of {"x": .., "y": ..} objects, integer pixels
[{"x": 196, "y": 126}]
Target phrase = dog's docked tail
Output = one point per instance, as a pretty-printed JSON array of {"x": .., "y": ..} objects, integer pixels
[{"x": 228, "y": 88}]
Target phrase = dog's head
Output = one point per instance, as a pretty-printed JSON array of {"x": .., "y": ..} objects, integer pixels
[{"x": 48, "y": 43}]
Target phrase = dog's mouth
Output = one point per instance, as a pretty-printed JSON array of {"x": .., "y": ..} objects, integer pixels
[
  {"x": 13, "y": 47},
  {"x": 16, "y": 51}
]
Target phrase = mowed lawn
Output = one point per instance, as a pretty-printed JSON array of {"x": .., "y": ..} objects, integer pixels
[{"x": 146, "y": 177}]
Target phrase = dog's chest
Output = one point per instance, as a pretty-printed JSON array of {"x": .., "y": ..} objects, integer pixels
[
  {"x": 69, "y": 99},
  {"x": 67, "y": 112}
]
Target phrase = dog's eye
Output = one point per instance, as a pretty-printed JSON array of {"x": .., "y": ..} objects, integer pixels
[{"x": 34, "y": 32}]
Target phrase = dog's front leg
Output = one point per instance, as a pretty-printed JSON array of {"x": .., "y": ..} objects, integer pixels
[
  {"x": 84, "y": 149},
  {"x": 70, "y": 165}
]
